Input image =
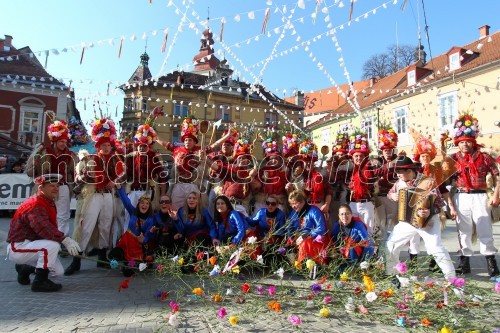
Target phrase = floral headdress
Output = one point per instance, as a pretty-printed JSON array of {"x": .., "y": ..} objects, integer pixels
[
  {"x": 242, "y": 146},
  {"x": 58, "y": 130},
  {"x": 269, "y": 143},
  {"x": 466, "y": 127},
  {"x": 189, "y": 128},
  {"x": 77, "y": 132},
  {"x": 387, "y": 138},
  {"x": 341, "y": 143},
  {"x": 308, "y": 151},
  {"x": 146, "y": 134},
  {"x": 358, "y": 142},
  {"x": 291, "y": 144},
  {"x": 422, "y": 145},
  {"x": 103, "y": 130}
]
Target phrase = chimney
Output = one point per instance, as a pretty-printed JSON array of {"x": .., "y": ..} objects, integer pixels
[
  {"x": 299, "y": 98},
  {"x": 420, "y": 56},
  {"x": 373, "y": 80},
  {"x": 7, "y": 43},
  {"x": 484, "y": 31}
]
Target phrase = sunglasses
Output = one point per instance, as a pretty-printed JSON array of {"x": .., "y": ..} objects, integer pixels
[
  {"x": 165, "y": 202},
  {"x": 269, "y": 203}
]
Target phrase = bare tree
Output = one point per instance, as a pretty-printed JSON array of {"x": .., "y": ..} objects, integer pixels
[{"x": 394, "y": 59}]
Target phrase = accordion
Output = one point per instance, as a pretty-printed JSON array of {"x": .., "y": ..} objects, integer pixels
[{"x": 410, "y": 201}]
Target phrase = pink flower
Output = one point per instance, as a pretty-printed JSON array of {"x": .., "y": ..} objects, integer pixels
[
  {"x": 401, "y": 268},
  {"x": 327, "y": 299},
  {"x": 260, "y": 289},
  {"x": 295, "y": 320},
  {"x": 459, "y": 282},
  {"x": 222, "y": 313},
  {"x": 497, "y": 287},
  {"x": 271, "y": 290},
  {"x": 401, "y": 305}
]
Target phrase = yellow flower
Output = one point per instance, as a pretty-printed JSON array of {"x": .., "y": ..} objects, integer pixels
[
  {"x": 198, "y": 291},
  {"x": 344, "y": 277},
  {"x": 419, "y": 296},
  {"x": 236, "y": 269},
  {"x": 233, "y": 320},
  {"x": 467, "y": 123},
  {"x": 445, "y": 330},
  {"x": 181, "y": 261},
  {"x": 324, "y": 312},
  {"x": 369, "y": 285},
  {"x": 298, "y": 265},
  {"x": 310, "y": 264}
]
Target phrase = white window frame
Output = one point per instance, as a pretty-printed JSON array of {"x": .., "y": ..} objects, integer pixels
[
  {"x": 368, "y": 126},
  {"x": 224, "y": 113},
  {"x": 176, "y": 136},
  {"x": 37, "y": 110},
  {"x": 270, "y": 118},
  {"x": 401, "y": 125},
  {"x": 447, "y": 102},
  {"x": 411, "y": 77},
  {"x": 454, "y": 60},
  {"x": 180, "y": 110}
]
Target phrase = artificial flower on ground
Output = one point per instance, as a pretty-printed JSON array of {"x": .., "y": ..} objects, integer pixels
[
  {"x": 371, "y": 296},
  {"x": 310, "y": 264},
  {"x": 229, "y": 292},
  {"x": 221, "y": 313},
  {"x": 114, "y": 264},
  {"x": 180, "y": 261},
  {"x": 298, "y": 265},
  {"x": 280, "y": 272},
  {"x": 344, "y": 277},
  {"x": 273, "y": 305},
  {"x": 173, "y": 319},
  {"x": 217, "y": 298},
  {"x": 327, "y": 299},
  {"x": 295, "y": 320},
  {"x": 426, "y": 322},
  {"x": 324, "y": 312},
  {"x": 174, "y": 307},
  {"x": 362, "y": 309},
  {"x": 212, "y": 260},
  {"x": 369, "y": 285},
  {"x": 260, "y": 290},
  {"x": 271, "y": 290},
  {"x": 198, "y": 292},
  {"x": 445, "y": 330},
  {"x": 124, "y": 283},
  {"x": 316, "y": 289},
  {"x": 245, "y": 288},
  {"x": 401, "y": 268},
  {"x": 233, "y": 320}
]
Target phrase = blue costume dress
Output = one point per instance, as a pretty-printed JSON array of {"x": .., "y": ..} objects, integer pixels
[
  {"x": 233, "y": 226},
  {"x": 195, "y": 228},
  {"x": 266, "y": 222},
  {"x": 167, "y": 229},
  {"x": 352, "y": 240}
]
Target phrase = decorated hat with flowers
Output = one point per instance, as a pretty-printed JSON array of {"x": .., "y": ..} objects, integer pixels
[
  {"x": 189, "y": 128},
  {"x": 466, "y": 128},
  {"x": 291, "y": 142},
  {"x": 58, "y": 130},
  {"x": 423, "y": 145},
  {"x": 232, "y": 138},
  {"x": 308, "y": 151},
  {"x": 387, "y": 138},
  {"x": 145, "y": 135},
  {"x": 358, "y": 142},
  {"x": 341, "y": 143},
  {"x": 242, "y": 146},
  {"x": 103, "y": 130},
  {"x": 269, "y": 143}
]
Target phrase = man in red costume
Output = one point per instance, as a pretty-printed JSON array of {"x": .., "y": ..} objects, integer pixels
[
  {"x": 34, "y": 240},
  {"x": 470, "y": 204}
]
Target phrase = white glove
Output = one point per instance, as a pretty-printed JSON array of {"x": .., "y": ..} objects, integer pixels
[{"x": 72, "y": 246}]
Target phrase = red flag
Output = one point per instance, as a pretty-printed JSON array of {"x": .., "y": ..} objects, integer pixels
[
  {"x": 266, "y": 18},
  {"x": 164, "y": 42}
]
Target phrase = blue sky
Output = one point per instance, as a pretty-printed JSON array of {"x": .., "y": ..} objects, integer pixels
[{"x": 56, "y": 24}]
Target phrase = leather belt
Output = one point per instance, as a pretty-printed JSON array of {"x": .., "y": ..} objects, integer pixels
[{"x": 470, "y": 191}]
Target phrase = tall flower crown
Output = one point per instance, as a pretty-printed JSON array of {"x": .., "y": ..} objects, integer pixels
[
  {"x": 189, "y": 128},
  {"x": 291, "y": 142},
  {"x": 146, "y": 134},
  {"x": 103, "y": 130},
  {"x": 269, "y": 142},
  {"x": 387, "y": 138},
  {"x": 358, "y": 142},
  {"x": 308, "y": 150},
  {"x": 466, "y": 127}
]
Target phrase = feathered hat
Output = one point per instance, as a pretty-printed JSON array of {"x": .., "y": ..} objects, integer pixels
[
  {"x": 387, "y": 138},
  {"x": 358, "y": 142},
  {"x": 189, "y": 128},
  {"x": 308, "y": 151},
  {"x": 466, "y": 128},
  {"x": 146, "y": 134},
  {"x": 58, "y": 129},
  {"x": 103, "y": 130},
  {"x": 291, "y": 144},
  {"x": 422, "y": 145}
]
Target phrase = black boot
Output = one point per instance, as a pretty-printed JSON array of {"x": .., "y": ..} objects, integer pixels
[
  {"x": 433, "y": 266},
  {"x": 23, "y": 273},
  {"x": 412, "y": 263},
  {"x": 103, "y": 258},
  {"x": 492, "y": 266},
  {"x": 73, "y": 267},
  {"x": 464, "y": 266},
  {"x": 42, "y": 282}
]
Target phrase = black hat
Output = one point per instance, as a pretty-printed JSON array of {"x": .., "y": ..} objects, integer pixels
[{"x": 404, "y": 162}]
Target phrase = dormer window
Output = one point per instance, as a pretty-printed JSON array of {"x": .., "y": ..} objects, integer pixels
[
  {"x": 454, "y": 60},
  {"x": 411, "y": 78}
]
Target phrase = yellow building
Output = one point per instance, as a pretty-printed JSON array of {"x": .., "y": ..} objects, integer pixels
[
  {"x": 428, "y": 96},
  {"x": 209, "y": 92}
]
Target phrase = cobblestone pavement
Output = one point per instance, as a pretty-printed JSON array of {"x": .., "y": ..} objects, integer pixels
[{"x": 90, "y": 302}]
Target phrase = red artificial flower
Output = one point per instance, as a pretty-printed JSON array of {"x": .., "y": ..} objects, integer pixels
[
  {"x": 124, "y": 284},
  {"x": 164, "y": 295},
  {"x": 358, "y": 290},
  {"x": 322, "y": 280},
  {"x": 426, "y": 322},
  {"x": 245, "y": 288},
  {"x": 199, "y": 255}
]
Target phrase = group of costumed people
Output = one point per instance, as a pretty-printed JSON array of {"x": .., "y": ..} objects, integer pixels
[{"x": 218, "y": 198}]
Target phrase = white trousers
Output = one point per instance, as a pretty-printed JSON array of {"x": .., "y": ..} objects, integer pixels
[
  {"x": 180, "y": 193},
  {"x": 431, "y": 235},
  {"x": 99, "y": 211},
  {"x": 119, "y": 225},
  {"x": 63, "y": 209},
  {"x": 134, "y": 199},
  {"x": 474, "y": 209},
  {"x": 39, "y": 253},
  {"x": 366, "y": 212}
]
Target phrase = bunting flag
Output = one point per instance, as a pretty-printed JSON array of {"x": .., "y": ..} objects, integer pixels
[
  {"x": 164, "y": 46},
  {"x": 266, "y": 19},
  {"x": 120, "y": 49},
  {"x": 316, "y": 10},
  {"x": 209, "y": 96},
  {"x": 81, "y": 57},
  {"x": 46, "y": 58},
  {"x": 107, "y": 92},
  {"x": 403, "y": 5},
  {"x": 222, "y": 28},
  {"x": 171, "y": 92},
  {"x": 352, "y": 9}
]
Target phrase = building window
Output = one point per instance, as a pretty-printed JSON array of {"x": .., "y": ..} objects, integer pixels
[
  {"x": 448, "y": 110},
  {"x": 270, "y": 118},
  {"x": 180, "y": 110},
  {"x": 176, "y": 136},
  {"x": 224, "y": 113},
  {"x": 454, "y": 61},
  {"x": 411, "y": 78},
  {"x": 130, "y": 105},
  {"x": 367, "y": 126},
  {"x": 144, "y": 105},
  {"x": 224, "y": 80},
  {"x": 31, "y": 119},
  {"x": 401, "y": 124}
]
